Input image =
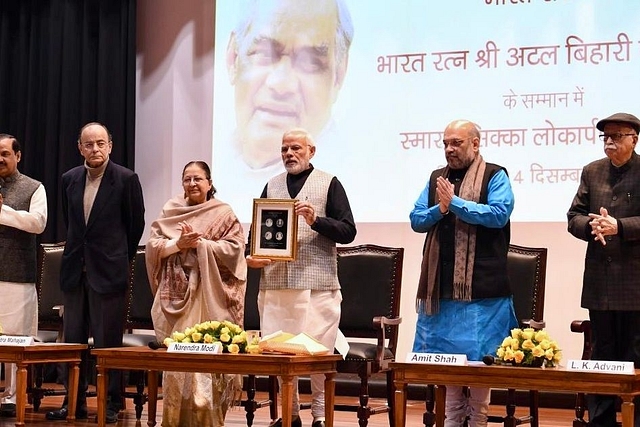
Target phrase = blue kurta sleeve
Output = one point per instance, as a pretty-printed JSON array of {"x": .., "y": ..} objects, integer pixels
[
  {"x": 494, "y": 214},
  {"x": 423, "y": 216}
]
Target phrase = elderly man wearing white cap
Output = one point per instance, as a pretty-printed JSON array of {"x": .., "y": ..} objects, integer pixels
[{"x": 605, "y": 212}]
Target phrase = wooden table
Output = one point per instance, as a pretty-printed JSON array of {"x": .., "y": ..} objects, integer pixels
[
  {"x": 549, "y": 379},
  {"x": 152, "y": 361},
  {"x": 23, "y": 356}
]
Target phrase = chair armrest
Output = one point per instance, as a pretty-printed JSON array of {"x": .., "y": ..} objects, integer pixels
[
  {"x": 60, "y": 309},
  {"x": 584, "y": 327},
  {"x": 381, "y": 323},
  {"x": 581, "y": 326},
  {"x": 530, "y": 323}
]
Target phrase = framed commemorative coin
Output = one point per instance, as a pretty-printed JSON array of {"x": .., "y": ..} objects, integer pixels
[{"x": 274, "y": 229}]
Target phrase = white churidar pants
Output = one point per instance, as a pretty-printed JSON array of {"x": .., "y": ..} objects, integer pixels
[{"x": 459, "y": 406}]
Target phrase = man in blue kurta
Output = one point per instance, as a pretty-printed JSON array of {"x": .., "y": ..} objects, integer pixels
[{"x": 464, "y": 300}]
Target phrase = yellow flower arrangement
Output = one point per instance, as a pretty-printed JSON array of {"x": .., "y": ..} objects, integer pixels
[
  {"x": 529, "y": 347},
  {"x": 231, "y": 336}
]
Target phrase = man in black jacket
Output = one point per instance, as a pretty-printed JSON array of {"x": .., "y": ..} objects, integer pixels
[{"x": 103, "y": 209}]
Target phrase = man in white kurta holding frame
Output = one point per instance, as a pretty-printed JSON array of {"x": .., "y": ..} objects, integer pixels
[{"x": 304, "y": 295}]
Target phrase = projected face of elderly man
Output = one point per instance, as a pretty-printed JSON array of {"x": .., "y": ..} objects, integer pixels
[{"x": 287, "y": 61}]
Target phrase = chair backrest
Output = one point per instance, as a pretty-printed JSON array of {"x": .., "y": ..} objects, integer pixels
[
  {"x": 251, "y": 314},
  {"x": 48, "y": 285},
  {"x": 371, "y": 279},
  {"x": 527, "y": 270},
  {"x": 139, "y": 295}
]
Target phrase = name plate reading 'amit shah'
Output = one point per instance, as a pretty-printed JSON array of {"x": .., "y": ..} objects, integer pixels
[
  {"x": 437, "y": 359},
  {"x": 604, "y": 366},
  {"x": 15, "y": 340},
  {"x": 202, "y": 348}
]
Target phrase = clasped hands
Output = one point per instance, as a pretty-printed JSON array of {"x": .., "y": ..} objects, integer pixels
[
  {"x": 188, "y": 238},
  {"x": 444, "y": 193},
  {"x": 603, "y": 225}
]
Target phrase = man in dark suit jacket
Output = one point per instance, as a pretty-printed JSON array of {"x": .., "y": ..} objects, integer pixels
[
  {"x": 103, "y": 209},
  {"x": 605, "y": 212}
]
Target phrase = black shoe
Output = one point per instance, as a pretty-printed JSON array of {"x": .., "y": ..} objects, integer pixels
[
  {"x": 61, "y": 414},
  {"x": 295, "y": 422},
  {"x": 112, "y": 416},
  {"x": 318, "y": 423},
  {"x": 8, "y": 410}
]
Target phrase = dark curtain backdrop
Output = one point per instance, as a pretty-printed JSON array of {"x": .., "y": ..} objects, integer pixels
[{"x": 64, "y": 63}]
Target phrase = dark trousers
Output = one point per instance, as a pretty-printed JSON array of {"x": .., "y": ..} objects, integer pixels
[
  {"x": 101, "y": 316},
  {"x": 616, "y": 336}
]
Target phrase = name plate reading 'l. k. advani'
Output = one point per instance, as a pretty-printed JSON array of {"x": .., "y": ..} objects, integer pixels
[
  {"x": 604, "y": 366},
  {"x": 202, "y": 348},
  {"x": 437, "y": 359},
  {"x": 16, "y": 340}
]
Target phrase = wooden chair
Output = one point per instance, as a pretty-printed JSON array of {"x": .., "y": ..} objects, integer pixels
[
  {"x": 50, "y": 301},
  {"x": 252, "y": 322},
  {"x": 583, "y": 327},
  {"x": 371, "y": 280},
  {"x": 50, "y": 308},
  {"x": 138, "y": 327},
  {"x": 527, "y": 269}
]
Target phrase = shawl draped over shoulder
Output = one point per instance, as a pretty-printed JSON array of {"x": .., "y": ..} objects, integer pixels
[
  {"x": 191, "y": 286},
  {"x": 204, "y": 283}
]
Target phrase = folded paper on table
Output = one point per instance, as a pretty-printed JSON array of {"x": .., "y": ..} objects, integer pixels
[{"x": 285, "y": 342}]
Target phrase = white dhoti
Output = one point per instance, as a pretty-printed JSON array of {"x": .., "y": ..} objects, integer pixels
[
  {"x": 316, "y": 313},
  {"x": 18, "y": 316}
]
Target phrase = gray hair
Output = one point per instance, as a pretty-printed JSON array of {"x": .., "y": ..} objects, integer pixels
[
  {"x": 299, "y": 133},
  {"x": 344, "y": 33}
]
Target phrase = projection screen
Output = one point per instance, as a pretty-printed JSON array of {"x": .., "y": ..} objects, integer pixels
[{"x": 535, "y": 75}]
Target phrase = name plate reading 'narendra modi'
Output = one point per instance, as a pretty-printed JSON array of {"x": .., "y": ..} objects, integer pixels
[
  {"x": 202, "y": 348},
  {"x": 437, "y": 359},
  {"x": 604, "y": 366},
  {"x": 15, "y": 340}
]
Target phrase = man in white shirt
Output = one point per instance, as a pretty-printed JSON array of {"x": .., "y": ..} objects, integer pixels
[{"x": 23, "y": 215}]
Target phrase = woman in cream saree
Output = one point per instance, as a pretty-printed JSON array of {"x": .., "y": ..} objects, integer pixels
[{"x": 197, "y": 270}]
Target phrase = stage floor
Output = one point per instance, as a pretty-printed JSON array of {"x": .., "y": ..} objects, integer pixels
[{"x": 236, "y": 417}]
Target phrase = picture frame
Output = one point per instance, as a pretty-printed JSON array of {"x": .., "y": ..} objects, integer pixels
[{"x": 274, "y": 229}]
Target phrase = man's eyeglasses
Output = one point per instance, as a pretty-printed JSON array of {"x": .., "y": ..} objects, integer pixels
[
  {"x": 196, "y": 179},
  {"x": 454, "y": 143},
  {"x": 89, "y": 145},
  {"x": 615, "y": 137}
]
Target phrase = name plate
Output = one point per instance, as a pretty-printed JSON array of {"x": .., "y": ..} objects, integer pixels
[
  {"x": 176, "y": 347},
  {"x": 437, "y": 359},
  {"x": 604, "y": 366},
  {"x": 15, "y": 340}
]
